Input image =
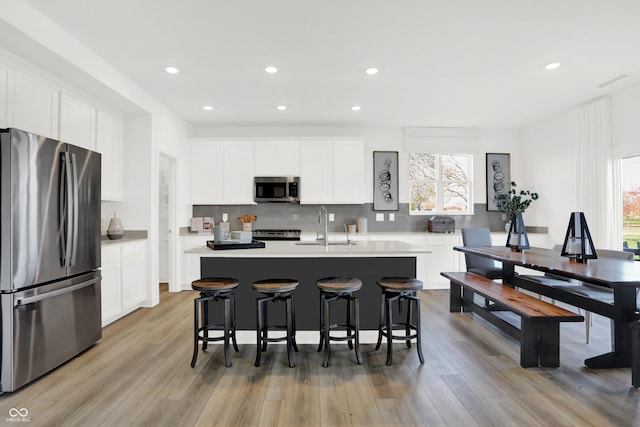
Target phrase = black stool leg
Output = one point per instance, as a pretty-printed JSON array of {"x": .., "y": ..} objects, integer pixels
[
  {"x": 381, "y": 320},
  {"x": 290, "y": 339},
  {"x": 356, "y": 309},
  {"x": 233, "y": 322},
  {"x": 325, "y": 328},
  {"x": 227, "y": 331},
  {"x": 259, "y": 320},
  {"x": 195, "y": 333},
  {"x": 265, "y": 324},
  {"x": 407, "y": 329},
  {"x": 293, "y": 315},
  {"x": 389, "y": 330},
  {"x": 418, "y": 330},
  {"x": 205, "y": 319},
  {"x": 347, "y": 298},
  {"x": 322, "y": 297}
]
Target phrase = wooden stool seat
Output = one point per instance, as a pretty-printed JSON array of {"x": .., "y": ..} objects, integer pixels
[
  {"x": 400, "y": 284},
  {"x": 339, "y": 284},
  {"x": 213, "y": 284},
  {"x": 397, "y": 289},
  {"x": 274, "y": 286},
  {"x": 214, "y": 289}
]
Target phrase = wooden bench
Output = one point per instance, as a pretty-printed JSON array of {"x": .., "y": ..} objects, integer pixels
[{"x": 539, "y": 331}]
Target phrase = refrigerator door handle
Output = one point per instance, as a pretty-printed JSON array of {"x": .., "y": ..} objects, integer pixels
[
  {"x": 30, "y": 300},
  {"x": 74, "y": 234},
  {"x": 66, "y": 202}
]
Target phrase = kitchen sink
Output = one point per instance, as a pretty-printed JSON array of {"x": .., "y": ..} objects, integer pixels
[{"x": 316, "y": 243}]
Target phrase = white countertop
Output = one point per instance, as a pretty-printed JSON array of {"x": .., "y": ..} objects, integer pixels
[{"x": 368, "y": 248}]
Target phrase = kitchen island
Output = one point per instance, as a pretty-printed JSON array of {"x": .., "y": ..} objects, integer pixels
[{"x": 308, "y": 261}]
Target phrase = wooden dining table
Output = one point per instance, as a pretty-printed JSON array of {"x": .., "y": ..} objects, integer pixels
[{"x": 621, "y": 276}]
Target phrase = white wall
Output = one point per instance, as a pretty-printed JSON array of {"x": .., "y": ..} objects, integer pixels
[{"x": 549, "y": 150}]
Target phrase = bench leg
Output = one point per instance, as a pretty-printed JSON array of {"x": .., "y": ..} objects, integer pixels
[
  {"x": 455, "y": 297},
  {"x": 635, "y": 354},
  {"x": 540, "y": 344}
]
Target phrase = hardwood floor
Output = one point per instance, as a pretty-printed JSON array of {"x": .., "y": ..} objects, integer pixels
[{"x": 139, "y": 374}]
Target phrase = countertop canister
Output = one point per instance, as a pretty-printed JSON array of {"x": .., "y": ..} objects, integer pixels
[{"x": 363, "y": 225}]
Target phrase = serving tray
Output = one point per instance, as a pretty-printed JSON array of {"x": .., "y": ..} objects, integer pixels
[{"x": 255, "y": 244}]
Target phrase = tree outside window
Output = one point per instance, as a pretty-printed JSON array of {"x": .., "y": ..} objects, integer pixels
[{"x": 440, "y": 183}]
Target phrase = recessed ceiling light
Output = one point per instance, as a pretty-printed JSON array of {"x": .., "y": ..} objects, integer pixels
[
  {"x": 172, "y": 70},
  {"x": 282, "y": 107},
  {"x": 372, "y": 71},
  {"x": 552, "y": 66},
  {"x": 356, "y": 108},
  {"x": 271, "y": 70},
  {"x": 207, "y": 107}
]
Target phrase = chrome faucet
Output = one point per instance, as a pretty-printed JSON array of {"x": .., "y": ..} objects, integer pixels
[
  {"x": 346, "y": 231},
  {"x": 323, "y": 221}
]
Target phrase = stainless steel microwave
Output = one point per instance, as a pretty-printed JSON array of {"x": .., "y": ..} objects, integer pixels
[{"x": 283, "y": 189}]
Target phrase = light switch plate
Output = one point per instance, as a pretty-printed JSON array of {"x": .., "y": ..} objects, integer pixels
[
  {"x": 379, "y": 217},
  {"x": 331, "y": 217}
]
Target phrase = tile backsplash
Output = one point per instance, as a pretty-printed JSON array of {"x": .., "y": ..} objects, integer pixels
[{"x": 305, "y": 217}]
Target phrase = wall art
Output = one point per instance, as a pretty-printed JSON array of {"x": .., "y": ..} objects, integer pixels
[{"x": 385, "y": 181}]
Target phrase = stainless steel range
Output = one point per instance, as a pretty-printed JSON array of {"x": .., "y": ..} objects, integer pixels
[{"x": 275, "y": 234}]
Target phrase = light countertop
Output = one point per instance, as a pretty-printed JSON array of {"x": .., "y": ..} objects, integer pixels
[{"x": 368, "y": 248}]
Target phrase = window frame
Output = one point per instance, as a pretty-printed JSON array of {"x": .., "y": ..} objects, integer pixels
[{"x": 440, "y": 185}]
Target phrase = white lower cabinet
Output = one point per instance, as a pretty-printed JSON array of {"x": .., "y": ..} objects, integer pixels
[
  {"x": 111, "y": 283},
  {"x": 124, "y": 279}
]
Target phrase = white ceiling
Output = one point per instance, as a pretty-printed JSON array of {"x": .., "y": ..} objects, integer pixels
[{"x": 451, "y": 63}]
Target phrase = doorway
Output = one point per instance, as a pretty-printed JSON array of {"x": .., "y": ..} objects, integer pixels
[{"x": 166, "y": 215}]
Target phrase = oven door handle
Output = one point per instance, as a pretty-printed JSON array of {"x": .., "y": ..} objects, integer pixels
[{"x": 29, "y": 300}]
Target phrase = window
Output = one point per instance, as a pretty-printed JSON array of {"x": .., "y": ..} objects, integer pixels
[
  {"x": 440, "y": 183},
  {"x": 631, "y": 203}
]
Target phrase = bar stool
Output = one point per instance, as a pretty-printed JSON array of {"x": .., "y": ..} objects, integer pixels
[
  {"x": 337, "y": 289},
  {"x": 399, "y": 289},
  {"x": 276, "y": 290},
  {"x": 213, "y": 289}
]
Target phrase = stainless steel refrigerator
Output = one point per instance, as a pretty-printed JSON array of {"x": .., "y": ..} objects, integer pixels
[{"x": 49, "y": 254}]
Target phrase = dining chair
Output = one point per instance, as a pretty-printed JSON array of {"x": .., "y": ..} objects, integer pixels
[{"x": 486, "y": 267}]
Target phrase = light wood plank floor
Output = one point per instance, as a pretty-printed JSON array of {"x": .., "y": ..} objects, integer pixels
[{"x": 139, "y": 374}]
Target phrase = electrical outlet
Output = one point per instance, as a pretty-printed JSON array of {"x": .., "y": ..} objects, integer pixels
[
  {"x": 331, "y": 217},
  {"x": 504, "y": 217},
  {"x": 392, "y": 217},
  {"x": 379, "y": 217}
]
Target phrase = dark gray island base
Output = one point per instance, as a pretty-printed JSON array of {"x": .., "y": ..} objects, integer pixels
[{"x": 306, "y": 270}]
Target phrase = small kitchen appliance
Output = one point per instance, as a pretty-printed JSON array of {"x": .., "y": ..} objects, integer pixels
[
  {"x": 441, "y": 224},
  {"x": 276, "y": 189}
]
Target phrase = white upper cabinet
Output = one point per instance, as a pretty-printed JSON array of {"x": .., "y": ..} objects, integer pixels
[
  {"x": 206, "y": 172},
  {"x": 109, "y": 143},
  {"x": 221, "y": 172},
  {"x": 77, "y": 122},
  {"x": 35, "y": 106},
  {"x": 316, "y": 169},
  {"x": 276, "y": 158},
  {"x": 4, "y": 97},
  {"x": 237, "y": 168},
  {"x": 332, "y": 172},
  {"x": 348, "y": 172}
]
